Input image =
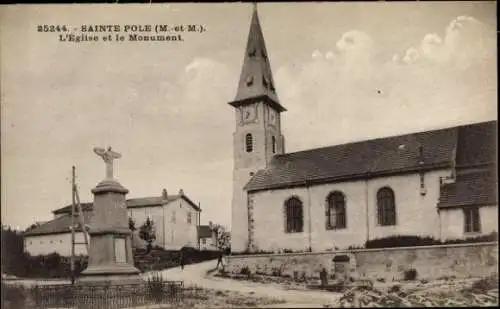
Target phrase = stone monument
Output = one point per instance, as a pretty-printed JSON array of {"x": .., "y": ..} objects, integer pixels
[{"x": 110, "y": 251}]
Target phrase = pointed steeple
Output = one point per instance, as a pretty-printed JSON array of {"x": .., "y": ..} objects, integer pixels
[{"x": 256, "y": 79}]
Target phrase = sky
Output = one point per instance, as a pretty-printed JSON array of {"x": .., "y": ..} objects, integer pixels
[{"x": 344, "y": 71}]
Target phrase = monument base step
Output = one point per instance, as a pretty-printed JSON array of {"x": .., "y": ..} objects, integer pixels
[
  {"x": 116, "y": 279},
  {"x": 115, "y": 268}
]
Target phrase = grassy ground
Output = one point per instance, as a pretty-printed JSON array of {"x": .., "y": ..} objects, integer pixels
[
  {"x": 19, "y": 298},
  {"x": 420, "y": 293},
  {"x": 288, "y": 283},
  {"x": 208, "y": 298}
]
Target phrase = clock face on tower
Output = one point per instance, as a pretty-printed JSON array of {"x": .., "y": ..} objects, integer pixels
[{"x": 249, "y": 113}]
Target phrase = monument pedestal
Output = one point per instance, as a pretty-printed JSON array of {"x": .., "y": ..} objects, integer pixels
[{"x": 110, "y": 252}]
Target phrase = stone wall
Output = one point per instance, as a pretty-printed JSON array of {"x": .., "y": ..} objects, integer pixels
[{"x": 430, "y": 262}]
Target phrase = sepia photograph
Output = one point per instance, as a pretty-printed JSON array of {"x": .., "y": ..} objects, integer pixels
[{"x": 249, "y": 155}]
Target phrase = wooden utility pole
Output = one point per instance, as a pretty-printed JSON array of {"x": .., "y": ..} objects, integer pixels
[
  {"x": 81, "y": 220},
  {"x": 198, "y": 227},
  {"x": 72, "y": 227}
]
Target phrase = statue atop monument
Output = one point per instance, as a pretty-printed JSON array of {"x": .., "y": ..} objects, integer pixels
[{"x": 108, "y": 156}]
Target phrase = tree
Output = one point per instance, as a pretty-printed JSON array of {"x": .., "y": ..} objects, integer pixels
[
  {"x": 222, "y": 237},
  {"x": 147, "y": 233},
  {"x": 131, "y": 224},
  {"x": 12, "y": 245}
]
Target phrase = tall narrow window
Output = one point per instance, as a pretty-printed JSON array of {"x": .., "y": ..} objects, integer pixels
[
  {"x": 386, "y": 207},
  {"x": 273, "y": 140},
  {"x": 336, "y": 213},
  {"x": 189, "y": 217},
  {"x": 472, "y": 222},
  {"x": 249, "y": 142},
  {"x": 294, "y": 215}
]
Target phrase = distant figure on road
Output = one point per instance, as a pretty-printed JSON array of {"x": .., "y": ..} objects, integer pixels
[
  {"x": 219, "y": 261},
  {"x": 181, "y": 258}
]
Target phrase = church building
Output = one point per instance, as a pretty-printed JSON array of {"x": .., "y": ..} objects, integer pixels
[{"x": 440, "y": 183}]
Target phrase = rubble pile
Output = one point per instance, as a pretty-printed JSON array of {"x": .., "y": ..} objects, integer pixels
[{"x": 482, "y": 294}]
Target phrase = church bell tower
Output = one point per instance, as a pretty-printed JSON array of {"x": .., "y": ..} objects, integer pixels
[{"x": 257, "y": 137}]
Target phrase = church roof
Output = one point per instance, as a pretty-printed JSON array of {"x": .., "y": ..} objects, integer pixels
[
  {"x": 471, "y": 188},
  {"x": 379, "y": 157},
  {"x": 256, "y": 79}
]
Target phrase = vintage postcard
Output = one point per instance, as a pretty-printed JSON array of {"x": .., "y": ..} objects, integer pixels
[{"x": 251, "y": 155}]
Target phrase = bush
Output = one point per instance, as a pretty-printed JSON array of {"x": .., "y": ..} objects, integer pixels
[
  {"x": 410, "y": 274},
  {"x": 13, "y": 296},
  {"x": 155, "y": 286},
  {"x": 245, "y": 271},
  {"x": 401, "y": 241},
  {"x": 483, "y": 238},
  {"x": 415, "y": 241}
]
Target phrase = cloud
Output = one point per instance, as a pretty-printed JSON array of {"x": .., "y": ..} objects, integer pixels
[
  {"x": 354, "y": 41},
  {"x": 411, "y": 55},
  {"x": 431, "y": 46},
  {"x": 317, "y": 54},
  {"x": 352, "y": 95},
  {"x": 466, "y": 40}
]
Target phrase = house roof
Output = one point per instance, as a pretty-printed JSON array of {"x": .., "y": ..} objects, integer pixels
[
  {"x": 151, "y": 201},
  {"x": 58, "y": 225},
  {"x": 477, "y": 145},
  {"x": 471, "y": 188},
  {"x": 134, "y": 203},
  {"x": 204, "y": 231},
  {"x": 379, "y": 157},
  {"x": 67, "y": 209}
]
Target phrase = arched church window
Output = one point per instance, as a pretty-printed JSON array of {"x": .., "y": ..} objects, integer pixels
[
  {"x": 335, "y": 211},
  {"x": 249, "y": 142},
  {"x": 294, "y": 215},
  {"x": 273, "y": 140},
  {"x": 386, "y": 207}
]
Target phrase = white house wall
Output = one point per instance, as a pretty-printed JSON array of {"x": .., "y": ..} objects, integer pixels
[
  {"x": 452, "y": 222},
  {"x": 208, "y": 245},
  {"x": 59, "y": 243},
  {"x": 178, "y": 232},
  {"x": 416, "y": 214},
  {"x": 155, "y": 213},
  {"x": 170, "y": 220}
]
